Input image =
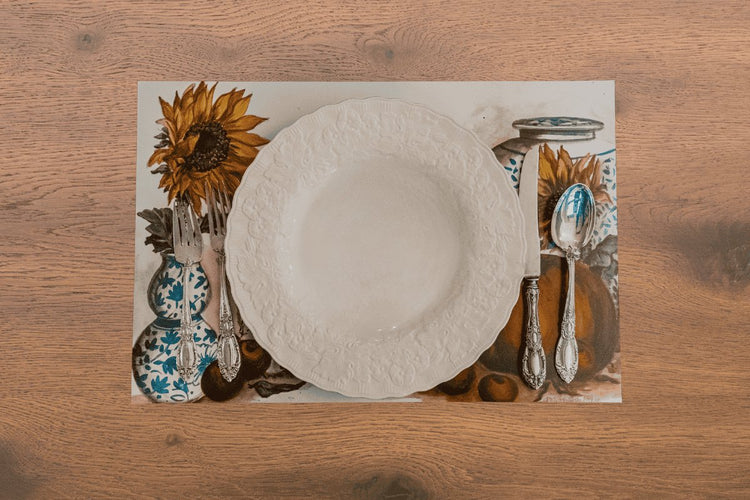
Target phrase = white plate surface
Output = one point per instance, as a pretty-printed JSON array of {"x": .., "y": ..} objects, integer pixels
[{"x": 374, "y": 248}]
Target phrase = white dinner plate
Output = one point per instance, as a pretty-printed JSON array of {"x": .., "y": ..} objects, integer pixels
[{"x": 375, "y": 248}]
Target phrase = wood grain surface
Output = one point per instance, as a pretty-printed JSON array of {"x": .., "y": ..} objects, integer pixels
[{"x": 68, "y": 73}]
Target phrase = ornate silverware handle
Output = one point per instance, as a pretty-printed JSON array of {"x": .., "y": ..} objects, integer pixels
[
  {"x": 186, "y": 352},
  {"x": 566, "y": 353},
  {"x": 534, "y": 363},
  {"x": 228, "y": 354},
  {"x": 224, "y": 309}
]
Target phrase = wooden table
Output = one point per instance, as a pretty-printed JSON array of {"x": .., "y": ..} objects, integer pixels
[{"x": 67, "y": 129}]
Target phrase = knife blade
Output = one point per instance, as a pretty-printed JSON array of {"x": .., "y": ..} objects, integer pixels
[
  {"x": 527, "y": 193},
  {"x": 533, "y": 362}
]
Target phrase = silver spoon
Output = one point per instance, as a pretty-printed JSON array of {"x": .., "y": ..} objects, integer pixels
[{"x": 572, "y": 225}]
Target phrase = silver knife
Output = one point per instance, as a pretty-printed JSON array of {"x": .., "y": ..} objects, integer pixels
[{"x": 534, "y": 362}]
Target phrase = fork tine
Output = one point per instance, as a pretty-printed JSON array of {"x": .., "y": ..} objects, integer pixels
[
  {"x": 185, "y": 227},
  {"x": 196, "y": 228},
  {"x": 225, "y": 209},
  {"x": 223, "y": 212},
  {"x": 227, "y": 200},
  {"x": 175, "y": 227},
  {"x": 210, "y": 209},
  {"x": 183, "y": 223}
]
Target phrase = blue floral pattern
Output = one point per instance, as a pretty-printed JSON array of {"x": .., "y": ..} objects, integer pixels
[
  {"x": 154, "y": 356},
  {"x": 513, "y": 169},
  {"x": 155, "y": 363},
  {"x": 606, "y": 213},
  {"x": 165, "y": 290}
]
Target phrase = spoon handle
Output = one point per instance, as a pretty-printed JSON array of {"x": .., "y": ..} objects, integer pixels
[
  {"x": 566, "y": 353},
  {"x": 534, "y": 363}
]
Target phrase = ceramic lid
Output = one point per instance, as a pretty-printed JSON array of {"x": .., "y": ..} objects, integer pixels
[{"x": 558, "y": 123}]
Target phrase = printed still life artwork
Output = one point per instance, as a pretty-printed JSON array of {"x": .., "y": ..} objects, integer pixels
[{"x": 376, "y": 241}]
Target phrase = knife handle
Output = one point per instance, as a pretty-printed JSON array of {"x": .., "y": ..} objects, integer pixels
[{"x": 534, "y": 362}]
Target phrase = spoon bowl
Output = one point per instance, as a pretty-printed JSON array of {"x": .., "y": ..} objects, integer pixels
[
  {"x": 572, "y": 227},
  {"x": 573, "y": 218}
]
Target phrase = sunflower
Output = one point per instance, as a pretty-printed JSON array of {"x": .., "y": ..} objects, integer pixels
[
  {"x": 557, "y": 172},
  {"x": 204, "y": 143}
]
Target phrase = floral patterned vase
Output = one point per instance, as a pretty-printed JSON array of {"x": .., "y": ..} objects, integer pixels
[
  {"x": 154, "y": 354},
  {"x": 578, "y": 137}
]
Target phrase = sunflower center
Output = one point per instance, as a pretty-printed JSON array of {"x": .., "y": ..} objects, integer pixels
[
  {"x": 549, "y": 208},
  {"x": 211, "y": 148}
]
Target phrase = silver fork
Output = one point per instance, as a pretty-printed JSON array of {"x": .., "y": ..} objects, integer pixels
[
  {"x": 228, "y": 349},
  {"x": 188, "y": 248}
]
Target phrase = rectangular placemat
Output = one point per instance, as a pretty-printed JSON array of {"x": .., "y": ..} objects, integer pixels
[{"x": 489, "y": 109}]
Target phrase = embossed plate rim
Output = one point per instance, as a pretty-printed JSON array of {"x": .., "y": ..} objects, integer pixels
[{"x": 249, "y": 263}]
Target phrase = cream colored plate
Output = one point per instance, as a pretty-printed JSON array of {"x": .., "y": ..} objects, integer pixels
[{"x": 374, "y": 248}]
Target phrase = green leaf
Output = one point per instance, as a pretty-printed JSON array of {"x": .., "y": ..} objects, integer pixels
[{"x": 159, "y": 228}]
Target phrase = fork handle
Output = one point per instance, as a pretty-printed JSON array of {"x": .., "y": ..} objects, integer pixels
[
  {"x": 228, "y": 352},
  {"x": 224, "y": 308},
  {"x": 187, "y": 358}
]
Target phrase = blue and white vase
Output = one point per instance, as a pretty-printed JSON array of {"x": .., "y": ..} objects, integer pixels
[
  {"x": 154, "y": 353},
  {"x": 578, "y": 137}
]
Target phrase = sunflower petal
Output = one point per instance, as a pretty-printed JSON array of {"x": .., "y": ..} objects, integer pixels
[
  {"x": 589, "y": 171},
  {"x": 234, "y": 166},
  {"x": 198, "y": 188},
  {"x": 188, "y": 117},
  {"x": 171, "y": 130},
  {"x": 247, "y": 122},
  {"x": 549, "y": 154},
  {"x": 580, "y": 166},
  {"x": 239, "y": 109},
  {"x": 546, "y": 171},
  {"x": 562, "y": 171},
  {"x": 166, "y": 109},
  {"x": 199, "y": 107},
  {"x": 602, "y": 196},
  {"x": 231, "y": 182},
  {"x": 199, "y": 90},
  {"x": 234, "y": 96},
  {"x": 179, "y": 124},
  {"x": 596, "y": 171},
  {"x": 195, "y": 200},
  {"x": 243, "y": 154},
  {"x": 220, "y": 106},
  {"x": 188, "y": 99},
  {"x": 211, "y": 94},
  {"x": 172, "y": 191},
  {"x": 544, "y": 189},
  {"x": 565, "y": 157},
  {"x": 205, "y": 111},
  {"x": 184, "y": 182},
  {"x": 187, "y": 95},
  {"x": 158, "y": 156},
  {"x": 247, "y": 139},
  {"x": 185, "y": 146}
]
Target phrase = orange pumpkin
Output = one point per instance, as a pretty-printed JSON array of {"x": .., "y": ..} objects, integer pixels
[{"x": 596, "y": 322}]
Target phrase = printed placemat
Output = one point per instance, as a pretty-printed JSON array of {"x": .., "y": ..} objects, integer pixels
[{"x": 195, "y": 139}]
